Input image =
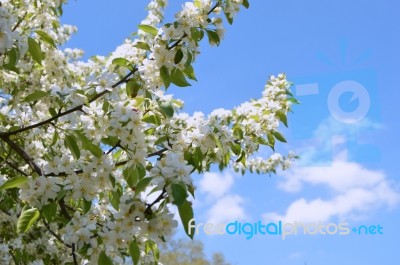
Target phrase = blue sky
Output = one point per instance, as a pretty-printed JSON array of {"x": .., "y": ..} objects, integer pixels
[{"x": 323, "y": 43}]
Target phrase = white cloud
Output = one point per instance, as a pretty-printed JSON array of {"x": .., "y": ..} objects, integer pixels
[
  {"x": 226, "y": 209},
  {"x": 222, "y": 205},
  {"x": 354, "y": 190},
  {"x": 216, "y": 184},
  {"x": 340, "y": 176}
]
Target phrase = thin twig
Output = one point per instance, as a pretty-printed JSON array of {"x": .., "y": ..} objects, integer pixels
[
  {"x": 54, "y": 234},
  {"x": 79, "y": 171},
  {"x": 21, "y": 152},
  {"x": 61, "y": 114}
]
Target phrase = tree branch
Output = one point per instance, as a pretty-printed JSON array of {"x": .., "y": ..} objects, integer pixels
[
  {"x": 54, "y": 234},
  {"x": 159, "y": 198},
  {"x": 22, "y": 153},
  {"x": 79, "y": 171},
  {"x": 61, "y": 114}
]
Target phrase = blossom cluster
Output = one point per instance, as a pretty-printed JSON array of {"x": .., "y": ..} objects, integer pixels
[{"x": 94, "y": 154}]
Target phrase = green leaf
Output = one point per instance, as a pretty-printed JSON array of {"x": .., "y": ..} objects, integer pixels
[
  {"x": 12, "y": 57},
  {"x": 293, "y": 100},
  {"x": 104, "y": 260},
  {"x": 114, "y": 197},
  {"x": 178, "y": 78},
  {"x": 178, "y": 193},
  {"x": 121, "y": 62},
  {"x": 46, "y": 38},
  {"x": 86, "y": 205},
  {"x": 142, "y": 45},
  {"x": 189, "y": 59},
  {"x": 49, "y": 211},
  {"x": 197, "y": 34},
  {"x": 36, "y": 96},
  {"x": 53, "y": 112},
  {"x": 150, "y": 245},
  {"x": 134, "y": 251},
  {"x": 228, "y": 18},
  {"x": 282, "y": 117},
  {"x": 94, "y": 149},
  {"x": 186, "y": 214},
  {"x": 167, "y": 108},
  {"x": 279, "y": 136},
  {"x": 189, "y": 72},
  {"x": 131, "y": 175},
  {"x": 178, "y": 56},
  {"x": 213, "y": 37},
  {"x": 27, "y": 219},
  {"x": 132, "y": 88},
  {"x": 148, "y": 29},
  {"x": 88, "y": 145},
  {"x": 271, "y": 140},
  {"x": 35, "y": 50},
  {"x": 217, "y": 141},
  {"x": 14, "y": 182},
  {"x": 142, "y": 185},
  {"x": 246, "y": 4},
  {"x": 70, "y": 142},
  {"x": 164, "y": 74},
  {"x": 110, "y": 140},
  {"x": 152, "y": 119}
]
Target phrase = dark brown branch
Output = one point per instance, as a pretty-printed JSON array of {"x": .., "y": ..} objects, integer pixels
[
  {"x": 15, "y": 167},
  {"x": 114, "y": 147},
  {"x": 214, "y": 7},
  {"x": 158, "y": 199},
  {"x": 21, "y": 152},
  {"x": 74, "y": 254},
  {"x": 79, "y": 171},
  {"x": 19, "y": 22},
  {"x": 54, "y": 234},
  {"x": 185, "y": 35},
  {"x": 65, "y": 213},
  {"x": 61, "y": 114}
]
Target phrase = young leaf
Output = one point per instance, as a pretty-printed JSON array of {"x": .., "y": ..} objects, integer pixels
[
  {"x": 279, "y": 136},
  {"x": 189, "y": 72},
  {"x": 35, "y": 50},
  {"x": 132, "y": 88},
  {"x": 167, "y": 108},
  {"x": 178, "y": 193},
  {"x": 70, "y": 142},
  {"x": 228, "y": 18},
  {"x": 186, "y": 214},
  {"x": 142, "y": 45},
  {"x": 46, "y": 38},
  {"x": 104, "y": 260},
  {"x": 131, "y": 176},
  {"x": 27, "y": 219},
  {"x": 178, "y": 78},
  {"x": 36, "y": 96},
  {"x": 271, "y": 140},
  {"x": 14, "y": 182},
  {"x": 213, "y": 37},
  {"x": 178, "y": 56},
  {"x": 142, "y": 185},
  {"x": 150, "y": 245},
  {"x": 148, "y": 29},
  {"x": 49, "y": 211},
  {"x": 121, "y": 62},
  {"x": 164, "y": 74},
  {"x": 134, "y": 251},
  {"x": 282, "y": 117},
  {"x": 246, "y": 4}
]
